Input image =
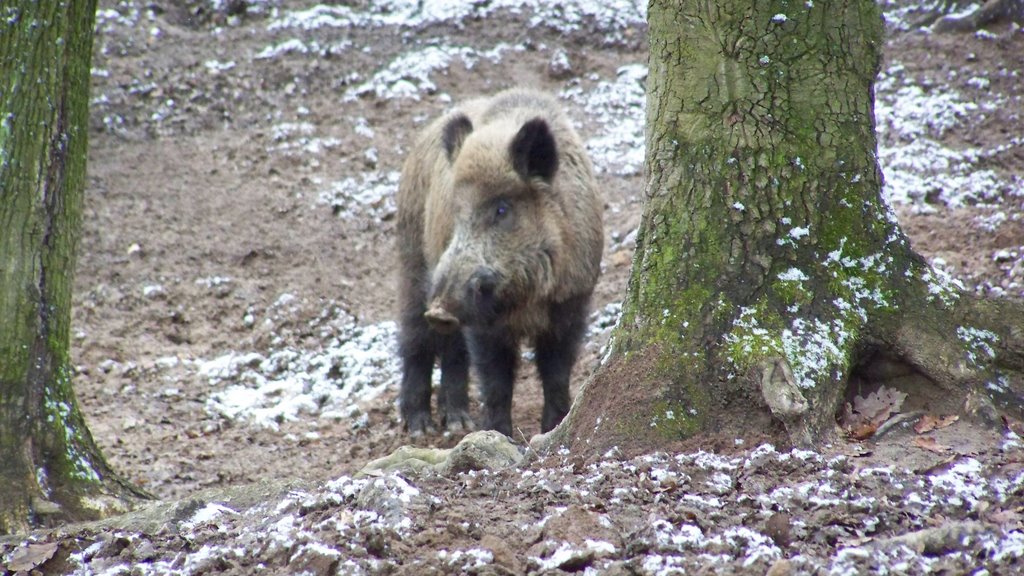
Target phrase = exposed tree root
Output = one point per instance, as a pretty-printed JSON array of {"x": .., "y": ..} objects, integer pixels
[
  {"x": 967, "y": 358},
  {"x": 976, "y": 349}
]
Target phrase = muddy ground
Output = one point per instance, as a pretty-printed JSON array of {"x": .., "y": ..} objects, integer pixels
[{"x": 239, "y": 203}]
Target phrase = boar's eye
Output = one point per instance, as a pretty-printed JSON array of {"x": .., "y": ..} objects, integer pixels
[{"x": 502, "y": 208}]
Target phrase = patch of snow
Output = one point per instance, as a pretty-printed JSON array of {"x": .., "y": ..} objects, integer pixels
[
  {"x": 295, "y": 46},
  {"x": 465, "y": 560},
  {"x": 108, "y": 19},
  {"x": 370, "y": 194},
  {"x": 793, "y": 275},
  {"x": 299, "y": 137},
  {"x": 683, "y": 537},
  {"x": 912, "y": 122},
  {"x": 213, "y": 281},
  {"x": 605, "y": 319},
  {"x": 746, "y": 543},
  {"x": 618, "y": 108},
  {"x": 600, "y": 546},
  {"x": 610, "y": 19},
  {"x": 977, "y": 82},
  {"x": 409, "y": 75},
  {"x": 1009, "y": 545},
  {"x": 963, "y": 483},
  {"x": 943, "y": 286},
  {"x": 206, "y": 514},
  {"x": 813, "y": 348},
  {"x": 565, "y": 553},
  {"x": 979, "y": 344},
  {"x": 799, "y": 232},
  {"x": 361, "y": 126},
  {"x": 216, "y": 66},
  {"x": 153, "y": 291},
  {"x": 328, "y": 382}
]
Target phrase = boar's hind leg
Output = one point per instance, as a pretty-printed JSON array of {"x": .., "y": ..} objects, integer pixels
[
  {"x": 555, "y": 352},
  {"x": 416, "y": 346},
  {"x": 454, "y": 397},
  {"x": 495, "y": 355}
]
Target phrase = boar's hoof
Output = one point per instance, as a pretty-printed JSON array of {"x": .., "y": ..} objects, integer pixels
[
  {"x": 441, "y": 320},
  {"x": 419, "y": 424},
  {"x": 457, "y": 421}
]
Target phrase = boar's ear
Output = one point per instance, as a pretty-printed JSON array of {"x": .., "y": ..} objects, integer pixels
[
  {"x": 455, "y": 132},
  {"x": 534, "y": 152}
]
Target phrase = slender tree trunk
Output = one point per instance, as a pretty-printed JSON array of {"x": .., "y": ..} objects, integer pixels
[
  {"x": 51, "y": 469},
  {"x": 769, "y": 273}
]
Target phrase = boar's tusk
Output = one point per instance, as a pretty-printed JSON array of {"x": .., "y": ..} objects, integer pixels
[{"x": 441, "y": 320}]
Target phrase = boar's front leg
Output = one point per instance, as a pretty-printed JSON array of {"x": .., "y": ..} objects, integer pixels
[
  {"x": 416, "y": 345},
  {"x": 555, "y": 352},
  {"x": 495, "y": 354},
  {"x": 453, "y": 401}
]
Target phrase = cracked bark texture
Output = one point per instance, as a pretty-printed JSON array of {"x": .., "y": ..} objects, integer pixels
[
  {"x": 52, "y": 470},
  {"x": 769, "y": 273}
]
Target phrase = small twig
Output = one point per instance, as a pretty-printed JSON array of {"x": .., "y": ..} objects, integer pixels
[
  {"x": 895, "y": 421},
  {"x": 523, "y": 436}
]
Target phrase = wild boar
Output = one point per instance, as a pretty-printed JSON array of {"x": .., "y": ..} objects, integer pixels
[{"x": 500, "y": 239}]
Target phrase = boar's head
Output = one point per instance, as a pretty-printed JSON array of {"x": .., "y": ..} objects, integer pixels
[{"x": 503, "y": 254}]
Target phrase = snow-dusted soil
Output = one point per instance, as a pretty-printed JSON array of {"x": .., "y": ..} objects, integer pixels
[{"x": 235, "y": 290}]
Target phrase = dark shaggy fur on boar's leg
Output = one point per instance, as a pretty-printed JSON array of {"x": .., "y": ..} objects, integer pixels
[
  {"x": 417, "y": 348},
  {"x": 495, "y": 355},
  {"x": 555, "y": 352},
  {"x": 454, "y": 396}
]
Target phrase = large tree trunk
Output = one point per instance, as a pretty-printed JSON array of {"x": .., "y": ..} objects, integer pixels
[
  {"x": 769, "y": 273},
  {"x": 51, "y": 469}
]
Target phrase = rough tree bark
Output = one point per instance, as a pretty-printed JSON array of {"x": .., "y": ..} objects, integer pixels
[
  {"x": 769, "y": 273},
  {"x": 51, "y": 469}
]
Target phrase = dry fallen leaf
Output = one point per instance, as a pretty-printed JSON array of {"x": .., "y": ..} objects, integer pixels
[
  {"x": 863, "y": 417},
  {"x": 29, "y": 557},
  {"x": 930, "y": 444},
  {"x": 930, "y": 422},
  {"x": 864, "y": 431}
]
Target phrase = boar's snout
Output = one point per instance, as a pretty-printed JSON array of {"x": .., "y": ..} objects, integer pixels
[
  {"x": 472, "y": 302},
  {"x": 481, "y": 297},
  {"x": 482, "y": 286}
]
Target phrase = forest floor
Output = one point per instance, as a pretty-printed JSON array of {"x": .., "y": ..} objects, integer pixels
[{"x": 235, "y": 303}]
